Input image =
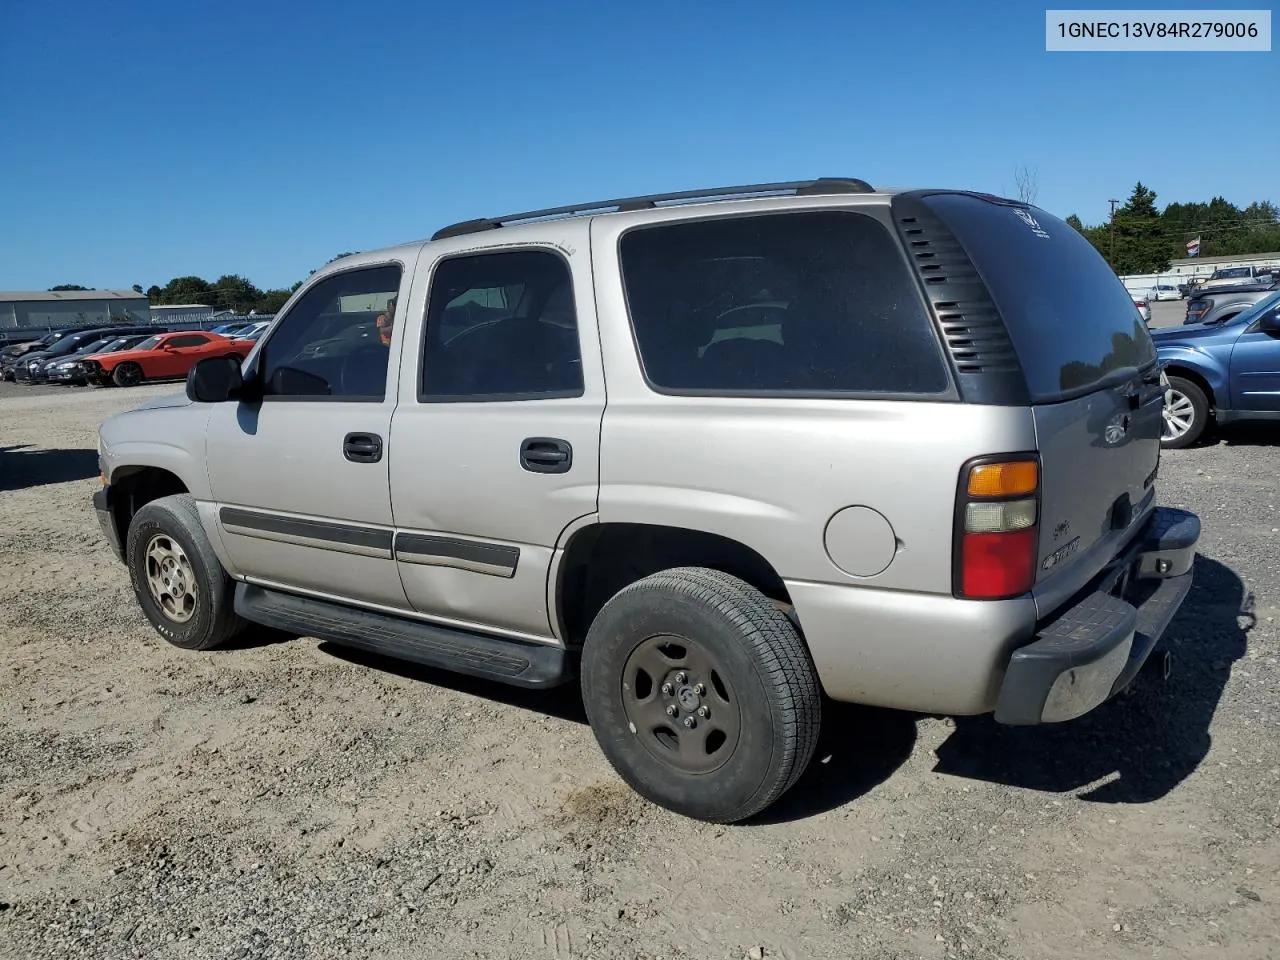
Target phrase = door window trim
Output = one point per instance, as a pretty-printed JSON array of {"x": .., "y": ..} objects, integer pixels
[
  {"x": 277, "y": 324},
  {"x": 421, "y": 367}
]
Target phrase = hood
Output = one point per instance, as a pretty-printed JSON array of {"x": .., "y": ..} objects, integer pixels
[
  {"x": 171, "y": 400},
  {"x": 1193, "y": 334}
]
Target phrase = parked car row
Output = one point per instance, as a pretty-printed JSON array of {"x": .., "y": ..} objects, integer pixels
[{"x": 120, "y": 356}]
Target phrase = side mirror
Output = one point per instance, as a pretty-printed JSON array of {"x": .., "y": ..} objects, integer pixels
[
  {"x": 166, "y": 346},
  {"x": 1269, "y": 322},
  {"x": 215, "y": 380}
]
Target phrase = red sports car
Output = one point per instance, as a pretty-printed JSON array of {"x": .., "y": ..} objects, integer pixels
[{"x": 166, "y": 356}]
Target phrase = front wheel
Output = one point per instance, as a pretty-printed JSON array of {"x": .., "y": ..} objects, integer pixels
[
  {"x": 701, "y": 693},
  {"x": 127, "y": 375},
  {"x": 177, "y": 578},
  {"x": 1186, "y": 414}
]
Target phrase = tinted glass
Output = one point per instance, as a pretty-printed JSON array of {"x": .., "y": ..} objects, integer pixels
[
  {"x": 189, "y": 340},
  {"x": 1070, "y": 318},
  {"x": 329, "y": 344},
  {"x": 92, "y": 347},
  {"x": 799, "y": 302},
  {"x": 148, "y": 344},
  {"x": 502, "y": 326}
]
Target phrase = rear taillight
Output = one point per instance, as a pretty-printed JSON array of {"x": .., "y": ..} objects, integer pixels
[{"x": 997, "y": 527}]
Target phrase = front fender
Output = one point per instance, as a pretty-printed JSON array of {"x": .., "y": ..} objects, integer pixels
[
  {"x": 169, "y": 438},
  {"x": 1209, "y": 366}
]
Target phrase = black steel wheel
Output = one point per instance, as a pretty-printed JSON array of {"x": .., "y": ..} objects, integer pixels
[
  {"x": 701, "y": 693},
  {"x": 676, "y": 696}
]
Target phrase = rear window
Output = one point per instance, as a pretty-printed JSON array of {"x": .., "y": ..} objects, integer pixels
[
  {"x": 1071, "y": 320},
  {"x": 799, "y": 303}
]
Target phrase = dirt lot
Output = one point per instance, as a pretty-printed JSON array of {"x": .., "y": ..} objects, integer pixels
[{"x": 290, "y": 800}]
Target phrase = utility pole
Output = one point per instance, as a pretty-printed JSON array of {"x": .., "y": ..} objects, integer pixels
[{"x": 1112, "y": 230}]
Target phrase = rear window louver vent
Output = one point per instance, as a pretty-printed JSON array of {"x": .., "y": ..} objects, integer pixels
[{"x": 974, "y": 332}]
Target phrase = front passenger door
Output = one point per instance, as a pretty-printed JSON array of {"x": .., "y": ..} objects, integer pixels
[
  {"x": 300, "y": 479},
  {"x": 1255, "y": 365}
]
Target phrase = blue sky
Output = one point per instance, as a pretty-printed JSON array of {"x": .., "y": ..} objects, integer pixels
[{"x": 145, "y": 140}]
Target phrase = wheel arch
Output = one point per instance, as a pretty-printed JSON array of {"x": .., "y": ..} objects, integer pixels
[
  {"x": 133, "y": 486},
  {"x": 1189, "y": 372},
  {"x": 600, "y": 559}
]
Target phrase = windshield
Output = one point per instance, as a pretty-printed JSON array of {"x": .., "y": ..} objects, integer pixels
[
  {"x": 148, "y": 344},
  {"x": 93, "y": 347}
]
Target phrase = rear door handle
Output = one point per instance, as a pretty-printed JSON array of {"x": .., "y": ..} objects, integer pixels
[
  {"x": 362, "y": 447},
  {"x": 546, "y": 455}
]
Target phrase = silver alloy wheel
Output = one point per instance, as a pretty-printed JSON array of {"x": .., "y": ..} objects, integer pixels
[
  {"x": 170, "y": 578},
  {"x": 1179, "y": 414}
]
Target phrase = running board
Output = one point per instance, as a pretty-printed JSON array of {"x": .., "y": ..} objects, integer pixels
[{"x": 514, "y": 662}]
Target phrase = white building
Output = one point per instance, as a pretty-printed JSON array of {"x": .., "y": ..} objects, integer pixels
[{"x": 48, "y": 309}]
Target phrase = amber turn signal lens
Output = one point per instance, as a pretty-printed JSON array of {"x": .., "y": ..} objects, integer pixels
[{"x": 1004, "y": 479}]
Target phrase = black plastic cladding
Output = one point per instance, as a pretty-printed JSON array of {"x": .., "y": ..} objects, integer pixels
[{"x": 986, "y": 364}]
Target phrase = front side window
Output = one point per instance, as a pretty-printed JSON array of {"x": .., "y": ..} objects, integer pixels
[
  {"x": 501, "y": 326},
  {"x": 809, "y": 303},
  {"x": 335, "y": 341},
  {"x": 189, "y": 340}
]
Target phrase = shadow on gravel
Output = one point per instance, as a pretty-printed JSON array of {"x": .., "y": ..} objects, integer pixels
[
  {"x": 1265, "y": 434},
  {"x": 563, "y": 702},
  {"x": 859, "y": 748},
  {"x": 22, "y": 467},
  {"x": 1144, "y": 743},
  {"x": 256, "y": 636}
]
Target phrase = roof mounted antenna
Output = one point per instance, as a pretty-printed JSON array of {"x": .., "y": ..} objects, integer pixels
[{"x": 822, "y": 186}]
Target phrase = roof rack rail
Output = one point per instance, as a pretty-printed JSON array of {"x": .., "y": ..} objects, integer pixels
[{"x": 820, "y": 186}]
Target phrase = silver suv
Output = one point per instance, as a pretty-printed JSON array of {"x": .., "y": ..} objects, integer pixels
[{"x": 715, "y": 454}]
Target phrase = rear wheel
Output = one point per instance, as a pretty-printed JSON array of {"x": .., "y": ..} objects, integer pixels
[
  {"x": 1186, "y": 414},
  {"x": 701, "y": 693},
  {"x": 127, "y": 375}
]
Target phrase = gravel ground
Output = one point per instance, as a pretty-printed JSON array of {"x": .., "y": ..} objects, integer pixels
[{"x": 291, "y": 800}]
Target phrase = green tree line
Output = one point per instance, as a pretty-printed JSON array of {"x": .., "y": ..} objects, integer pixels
[{"x": 1140, "y": 238}]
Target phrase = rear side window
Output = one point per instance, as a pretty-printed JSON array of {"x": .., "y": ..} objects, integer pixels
[
  {"x": 1071, "y": 320},
  {"x": 805, "y": 303}
]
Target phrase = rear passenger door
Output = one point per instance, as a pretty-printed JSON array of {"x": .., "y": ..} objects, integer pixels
[{"x": 497, "y": 432}]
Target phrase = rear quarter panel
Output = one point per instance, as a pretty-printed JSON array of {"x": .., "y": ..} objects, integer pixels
[{"x": 772, "y": 473}]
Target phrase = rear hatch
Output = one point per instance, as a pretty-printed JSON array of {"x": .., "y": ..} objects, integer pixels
[{"x": 1091, "y": 373}]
